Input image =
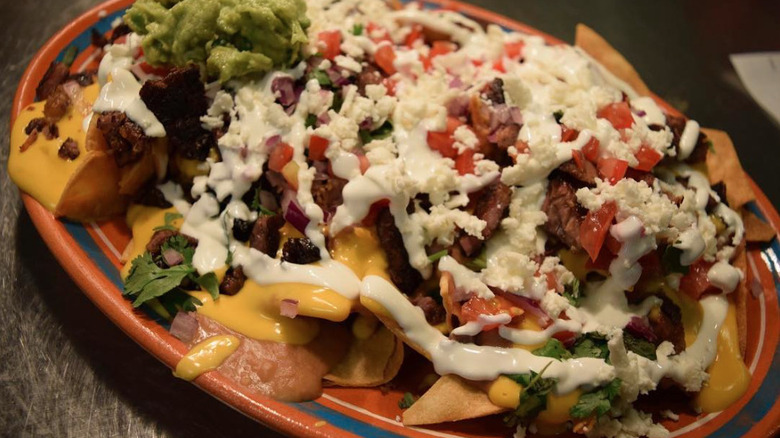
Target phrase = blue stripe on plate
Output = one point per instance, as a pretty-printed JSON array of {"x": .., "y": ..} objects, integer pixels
[{"x": 754, "y": 411}]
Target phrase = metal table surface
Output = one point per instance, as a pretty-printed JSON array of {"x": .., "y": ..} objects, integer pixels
[{"x": 66, "y": 371}]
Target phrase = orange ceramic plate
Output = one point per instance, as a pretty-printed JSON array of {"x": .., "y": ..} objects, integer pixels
[{"x": 90, "y": 253}]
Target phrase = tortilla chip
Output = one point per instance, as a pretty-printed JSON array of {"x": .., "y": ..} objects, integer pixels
[
  {"x": 95, "y": 140},
  {"x": 756, "y": 230},
  {"x": 723, "y": 166},
  {"x": 740, "y": 296},
  {"x": 92, "y": 192},
  {"x": 369, "y": 362},
  {"x": 451, "y": 398},
  {"x": 599, "y": 49}
]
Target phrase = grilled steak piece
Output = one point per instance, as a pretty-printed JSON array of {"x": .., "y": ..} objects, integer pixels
[
  {"x": 69, "y": 150},
  {"x": 300, "y": 250},
  {"x": 563, "y": 213},
  {"x": 494, "y": 91},
  {"x": 54, "y": 76},
  {"x": 434, "y": 312},
  {"x": 161, "y": 236},
  {"x": 233, "y": 281},
  {"x": 586, "y": 174},
  {"x": 178, "y": 101},
  {"x": 492, "y": 206},
  {"x": 265, "y": 234},
  {"x": 405, "y": 277},
  {"x": 370, "y": 75},
  {"x": 44, "y": 126},
  {"x": 126, "y": 140},
  {"x": 327, "y": 193},
  {"x": 56, "y": 105}
]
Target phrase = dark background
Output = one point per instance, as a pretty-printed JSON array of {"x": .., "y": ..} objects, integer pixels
[{"x": 65, "y": 370}]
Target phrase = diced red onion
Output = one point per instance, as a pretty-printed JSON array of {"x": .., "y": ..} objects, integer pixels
[
  {"x": 184, "y": 327},
  {"x": 640, "y": 113},
  {"x": 273, "y": 141},
  {"x": 293, "y": 213},
  {"x": 458, "y": 106},
  {"x": 516, "y": 114},
  {"x": 456, "y": 82},
  {"x": 171, "y": 257},
  {"x": 528, "y": 305},
  {"x": 637, "y": 326},
  {"x": 288, "y": 308},
  {"x": 499, "y": 116},
  {"x": 366, "y": 124},
  {"x": 323, "y": 119},
  {"x": 284, "y": 88}
]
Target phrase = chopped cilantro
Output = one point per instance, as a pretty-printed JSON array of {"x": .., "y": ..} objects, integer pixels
[
  {"x": 437, "y": 255},
  {"x": 357, "y": 29},
  {"x": 572, "y": 293},
  {"x": 180, "y": 244},
  {"x": 591, "y": 345},
  {"x": 169, "y": 218},
  {"x": 533, "y": 397},
  {"x": 147, "y": 280},
  {"x": 337, "y": 102},
  {"x": 311, "y": 120},
  {"x": 322, "y": 77},
  {"x": 210, "y": 283},
  {"x": 597, "y": 402},
  {"x": 554, "y": 349},
  {"x": 671, "y": 261},
  {"x": 558, "y": 116},
  {"x": 638, "y": 345},
  {"x": 70, "y": 55},
  {"x": 407, "y": 401},
  {"x": 266, "y": 212},
  {"x": 377, "y": 134}
]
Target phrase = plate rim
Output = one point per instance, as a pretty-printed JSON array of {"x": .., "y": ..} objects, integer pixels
[{"x": 152, "y": 337}]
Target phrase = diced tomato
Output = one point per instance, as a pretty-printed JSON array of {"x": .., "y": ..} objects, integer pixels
[
  {"x": 373, "y": 212},
  {"x": 618, "y": 114},
  {"x": 552, "y": 282},
  {"x": 612, "y": 169},
  {"x": 695, "y": 283},
  {"x": 280, "y": 156},
  {"x": 437, "y": 49},
  {"x": 594, "y": 229},
  {"x": 464, "y": 163},
  {"x": 378, "y": 33},
  {"x": 442, "y": 141},
  {"x": 651, "y": 265},
  {"x": 476, "y": 306},
  {"x": 568, "y": 135},
  {"x": 149, "y": 69},
  {"x": 612, "y": 244},
  {"x": 567, "y": 338},
  {"x": 602, "y": 263},
  {"x": 364, "y": 163},
  {"x": 317, "y": 147},
  {"x": 591, "y": 150},
  {"x": 477, "y": 62},
  {"x": 384, "y": 57},
  {"x": 389, "y": 85},
  {"x": 415, "y": 34},
  {"x": 648, "y": 158},
  {"x": 120, "y": 40},
  {"x": 498, "y": 65},
  {"x": 579, "y": 159},
  {"x": 514, "y": 49},
  {"x": 330, "y": 43}
]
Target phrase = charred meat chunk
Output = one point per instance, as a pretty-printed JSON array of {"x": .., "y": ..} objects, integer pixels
[
  {"x": 44, "y": 126},
  {"x": 126, "y": 140},
  {"x": 434, "y": 312},
  {"x": 300, "y": 250},
  {"x": 97, "y": 39},
  {"x": 667, "y": 324},
  {"x": 161, "y": 236},
  {"x": 585, "y": 173},
  {"x": 233, "y": 281},
  {"x": 505, "y": 135},
  {"x": 69, "y": 150},
  {"x": 638, "y": 175},
  {"x": 242, "y": 230},
  {"x": 370, "y": 75},
  {"x": 178, "y": 101},
  {"x": 56, "y": 105},
  {"x": 494, "y": 91},
  {"x": 563, "y": 214},
  {"x": 327, "y": 193},
  {"x": 153, "y": 197},
  {"x": 54, "y": 76},
  {"x": 492, "y": 206},
  {"x": 265, "y": 234},
  {"x": 404, "y": 276},
  {"x": 119, "y": 31}
]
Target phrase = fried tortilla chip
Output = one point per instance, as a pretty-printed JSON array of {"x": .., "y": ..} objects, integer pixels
[
  {"x": 451, "y": 398},
  {"x": 756, "y": 230},
  {"x": 92, "y": 192},
  {"x": 369, "y": 362},
  {"x": 599, "y": 49},
  {"x": 723, "y": 166}
]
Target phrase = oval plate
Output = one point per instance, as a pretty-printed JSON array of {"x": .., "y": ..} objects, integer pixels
[{"x": 90, "y": 254}]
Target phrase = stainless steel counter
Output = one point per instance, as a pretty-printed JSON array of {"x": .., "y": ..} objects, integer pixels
[{"x": 66, "y": 371}]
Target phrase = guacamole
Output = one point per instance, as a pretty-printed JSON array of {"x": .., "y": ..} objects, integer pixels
[{"x": 231, "y": 38}]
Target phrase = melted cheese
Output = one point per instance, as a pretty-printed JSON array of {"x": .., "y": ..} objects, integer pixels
[
  {"x": 39, "y": 171},
  {"x": 142, "y": 220},
  {"x": 505, "y": 392},
  {"x": 729, "y": 377},
  {"x": 206, "y": 356}
]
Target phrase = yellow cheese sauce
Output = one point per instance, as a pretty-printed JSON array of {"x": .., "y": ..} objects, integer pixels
[
  {"x": 505, "y": 392},
  {"x": 206, "y": 356},
  {"x": 39, "y": 171}
]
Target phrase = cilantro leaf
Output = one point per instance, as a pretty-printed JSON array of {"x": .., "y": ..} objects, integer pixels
[
  {"x": 147, "y": 280},
  {"x": 169, "y": 218},
  {"x": 70, "y": 55},
  {"x": 311, "y": 120},
  {"x": 379, "y": 133},
  {"x": 357, "y": 29},
  {"x": 178, "y": 300},
  {"x": 572, "y": 293},
  {"x": 597, "y": 402},
  {"x": 209, "y": 282},
  {"x": 322, "y": 77},
  {"x": 533, "y": 397},
  {"x": 407, "y": 400},
  {"x": 554, "y": 349},
  {"x": 638, "y": 345},
  {"x": 591, "y": 345},
  {"x": 558, "y": 116},
  {"x": 180, "y": 244},
  {"x": 671, "y": 261}
]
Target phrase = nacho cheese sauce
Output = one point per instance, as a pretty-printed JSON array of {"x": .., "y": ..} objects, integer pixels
[{"x": 548, "y": 91}]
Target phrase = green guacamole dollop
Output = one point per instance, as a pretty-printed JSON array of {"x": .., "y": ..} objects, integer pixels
[{"x": 231, "y": 38}]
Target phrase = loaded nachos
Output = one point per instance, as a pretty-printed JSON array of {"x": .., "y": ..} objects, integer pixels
[{"x": 309, "y": 185}]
